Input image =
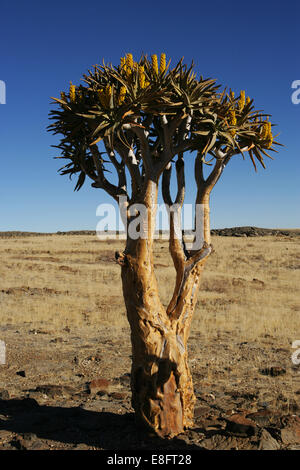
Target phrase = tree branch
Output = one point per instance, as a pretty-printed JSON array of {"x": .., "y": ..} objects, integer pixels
[
  {"x": 129, "y": 158},
  {"x": 119, "y": 166},
  {"x": 101, "y": 181},
  {"x": 142, "y": 135}
]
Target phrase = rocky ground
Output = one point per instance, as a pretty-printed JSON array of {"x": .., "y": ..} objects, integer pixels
[
  {"x": 224, "y": 232},
  {"x": 70, "y": 389}
]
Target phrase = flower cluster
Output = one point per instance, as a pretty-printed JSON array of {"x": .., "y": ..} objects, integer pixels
[{"x": 266, "y": 133}]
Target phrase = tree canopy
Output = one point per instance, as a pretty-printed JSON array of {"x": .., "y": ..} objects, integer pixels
[{"x": 147, "y": 112}]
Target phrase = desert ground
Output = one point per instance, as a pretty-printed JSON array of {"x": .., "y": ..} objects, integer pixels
[{"x": 66, "y": 380}]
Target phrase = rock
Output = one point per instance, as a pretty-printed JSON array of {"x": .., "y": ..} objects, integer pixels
[
  {"x": 29, "y": 436},
  {"x": 29, "y": 441},
  {"x": 238, "y": 281},
  {"x": 38, "y": 445},
  {"x": 202, "y": 411},
  {"x": 238, "y": 424},
  {"x": 267, "y": 442},
  {"x": 264, "y": 417},
  {"x": 291, "y": 406},
  {"x": 21, "y": 373},
  {"x": 290, "y": 434},
  {"x": 125, "y": 379},
  {"x": 273, "y": 371},
  {"x": 119, "y": 395},
  {"x": 57, "y": 340},
  {"x": 81, "y": 446},
  {"x": 258, "y": 283},
  {"x": 99, "y": 385},
  {"x": 39, "y": 332},
  {"x": 53, "y": 391},
  {"x": 5, "y": 435},
  {"x": 95, "y": 358},
  {"x": 221, "y": 442},
  {"x": 4, "y": 395}
]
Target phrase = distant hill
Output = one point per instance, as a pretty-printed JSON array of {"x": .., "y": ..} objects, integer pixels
[
  {"x": 254, "y": 232},
  {"x": 222, "y": 232}
]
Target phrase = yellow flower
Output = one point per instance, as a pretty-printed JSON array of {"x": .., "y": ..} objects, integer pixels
[
  {"x": 232, "y": 121},
  {"x": 123, "y": 66},
  {"x": 162, "y": 65},
  {"x": 122, "y": 95},
  {"x": 72, "y": 93},
  {"x": 102, "y": 98},
  {"x": 232, "y": 95},
  {"x": 232, "y": 117},
  {"x": 270, "y": 141},
  {"x": 142, "y": 76},
  {"x": 241, "y": 102},
  {"x": 154, "y": 63},
  {"x": 63, "y": 96},
  {"x": 129, "y": 60},
  {"x": 122, "y": 62},
  {"x": 266, "y": 133},
  {"x": 108, "y": 94},
  {"x": 269, "y": 135},
  {"x": 248, "y": 99},
  {"x": 129, "y": 64},
  {"x": 265, "y": 130}
]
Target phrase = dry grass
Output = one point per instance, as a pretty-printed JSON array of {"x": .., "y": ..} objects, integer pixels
[{"x": 250, "y": 287}]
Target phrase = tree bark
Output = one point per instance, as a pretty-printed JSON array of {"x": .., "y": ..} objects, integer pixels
[{"x": 161, "y": 381}]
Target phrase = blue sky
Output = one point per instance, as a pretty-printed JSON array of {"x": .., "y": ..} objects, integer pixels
[{"x": 244, "y": 45}]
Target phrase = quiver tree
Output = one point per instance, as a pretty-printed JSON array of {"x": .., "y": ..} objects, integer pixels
[{"x": 141, "y": 119}]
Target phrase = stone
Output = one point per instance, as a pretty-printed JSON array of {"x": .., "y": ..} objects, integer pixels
[
  {"x": 290, "y": 434},
  {"x": 81, "y": 446},
  {"x": 29, "y": 441},
  {"x": 4, "y": 395},
  {"x": 21, "y": 373},
  {"x": 95, "y": 358},
  {"x": 53, "y": 391},
  {"x": 221, "y": 442},
  {"x": 263, "y": 417},
  {"x": 38, "y": 445},
  {"x": 202, "y": 412},
  {"x": 57, "y": 340},
  {"x": 238, "y": 424},
  {"x": 273, "y": 371},
  {"x": 119, "y": 395},
  {"x": 267, "y": 442},
  {"x": 125, "y": 379},
  {"x": 258, "y": 283},
  {"x": 98, "y": 385},
  {"x": 5, "y": 435}
]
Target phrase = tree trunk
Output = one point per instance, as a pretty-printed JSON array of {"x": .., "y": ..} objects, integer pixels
[{"x": 161, "y": 382}]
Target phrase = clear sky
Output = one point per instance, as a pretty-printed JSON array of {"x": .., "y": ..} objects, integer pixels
[{"x": 250, "y": 45}]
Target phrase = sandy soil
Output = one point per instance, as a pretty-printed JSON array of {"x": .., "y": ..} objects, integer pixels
[{"x": 68, "y": 386}]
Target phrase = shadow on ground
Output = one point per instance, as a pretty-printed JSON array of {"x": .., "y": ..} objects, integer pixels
[{"x": 74, "y": 426}]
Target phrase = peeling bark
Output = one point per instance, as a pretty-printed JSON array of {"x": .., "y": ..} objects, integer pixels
[{"x": 161, "y": 382}]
